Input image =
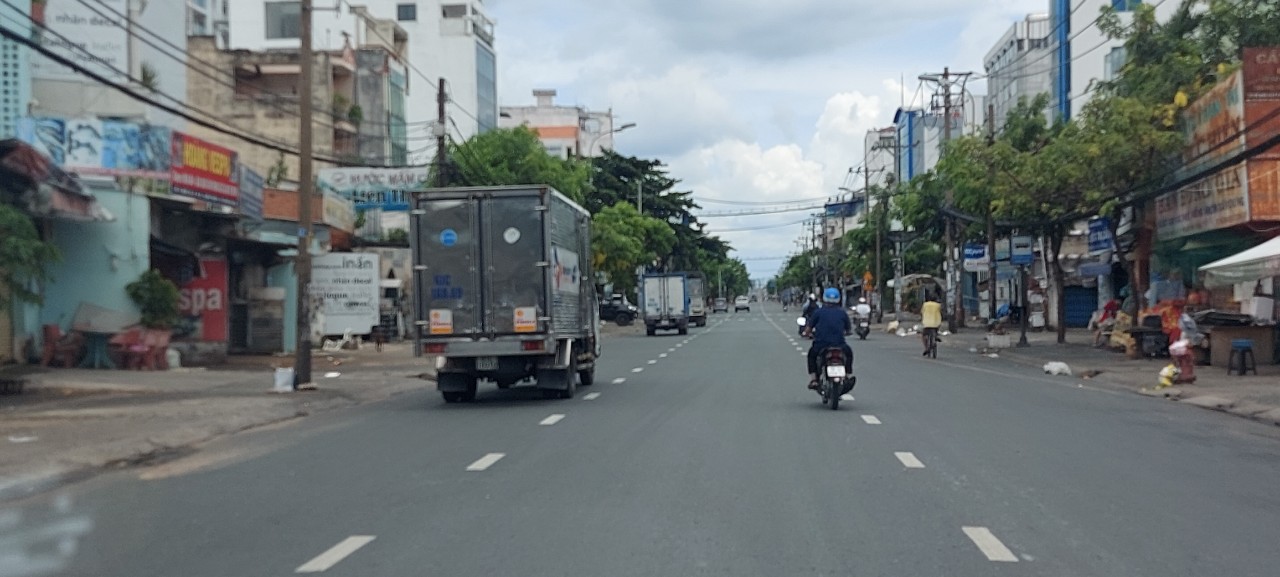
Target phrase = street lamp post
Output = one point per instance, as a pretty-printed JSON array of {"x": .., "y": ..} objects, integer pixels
[{"x": 592, "y": 146}]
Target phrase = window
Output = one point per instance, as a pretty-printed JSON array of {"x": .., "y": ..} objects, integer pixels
[
  {"x": 406, "y": 12},
  {"x": 1115, "y": 61},
  {"x": 283, "y": 20},
  {"x": 454, "y": 10},
  {"x": 1125, "y": 5}
]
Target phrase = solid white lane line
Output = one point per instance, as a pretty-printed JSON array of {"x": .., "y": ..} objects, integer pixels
[
  {"x": 619, "y": 381},
  {"x": 989, "y": 544},
  {"x": 324, "y": 561},
  {"x": 553, "y": 419},
  {"x": 653, "y": 362},
  {"x": 486, "y": 461},
  {"x": 638, "y": 370},
  {"x": 590, "y": 396},
  {"x": 870, "y": 419},
  {"x": 909, "y": 460},
  {"x": 662, "y": 355}
]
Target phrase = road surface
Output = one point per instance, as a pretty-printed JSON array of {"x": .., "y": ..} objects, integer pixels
[{"x": 697, "y": 455}]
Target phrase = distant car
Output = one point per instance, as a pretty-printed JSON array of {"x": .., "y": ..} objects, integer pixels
[
  {"x": 754, "y": 299},
  {"x": 720, "y": 306},
  {"x": 741, "y": 304},
  {"x": 618, "y": 310}
]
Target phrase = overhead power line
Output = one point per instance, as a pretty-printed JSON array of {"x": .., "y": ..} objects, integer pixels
[
  {"x": 751, "y": 228},
  {"x": 758, "y": 211}
]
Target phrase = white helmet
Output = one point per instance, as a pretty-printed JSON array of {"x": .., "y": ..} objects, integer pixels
[
  {"x": 862, "y": 300},
  {"x": 813, "y": 297}
]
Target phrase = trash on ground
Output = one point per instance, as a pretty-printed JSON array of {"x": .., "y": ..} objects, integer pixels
[
  {"x": 944, "y": 333},
  {"x": 1057, "y": 368},
  {"x": 283, "y": 380},
  {"x": 993, "y": 356},
  {"x": 1168, "y": 375},
  {"x": 892, "y": 327}
]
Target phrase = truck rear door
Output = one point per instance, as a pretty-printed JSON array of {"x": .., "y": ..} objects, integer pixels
[
  {"x": 677, "y": 301},
  {"x": 655, "y": 297}
]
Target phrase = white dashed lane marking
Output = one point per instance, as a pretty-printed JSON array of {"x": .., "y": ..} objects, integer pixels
[
  {"x": 591, "y": 396},
  {"x": 551, "y": 420},
  {"x": 662, "y": 355},
  {"x": 870, "y": 419},
  {"x": 486, "y": 461},
  {"x": 335, "y": 554},
  {"x": 653, "y": 362},
  {"x": 619, "y": 381},
  {"x": 638, "y": 370},
  {"x": 909, "y": 460},
  {"x": 989, "y": 544}
]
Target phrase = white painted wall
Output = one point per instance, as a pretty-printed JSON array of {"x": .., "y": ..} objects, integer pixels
[{"x": 1090, "y": 47}]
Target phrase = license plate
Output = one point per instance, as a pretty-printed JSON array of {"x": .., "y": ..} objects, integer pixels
[
  {"x": 835, "y": 372},
  {"x": 486, "y": 363},
  {"x": 864, "y": 325}
]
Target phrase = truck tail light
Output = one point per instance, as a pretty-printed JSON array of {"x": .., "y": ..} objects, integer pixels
[
  {"x": 433, "y": 348},
  {"x": 532, "y": 345}
]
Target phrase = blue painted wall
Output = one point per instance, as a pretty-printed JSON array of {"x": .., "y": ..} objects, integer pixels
[{"x": 99, "y": 258}]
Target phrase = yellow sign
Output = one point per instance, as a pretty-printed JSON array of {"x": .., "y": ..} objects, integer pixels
[
  {"x": 526, "y": 320},
  {"x": 441, "y": 322}
]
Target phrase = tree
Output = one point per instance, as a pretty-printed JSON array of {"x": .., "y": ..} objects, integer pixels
[
  {"x": 514, "y": 156},
  {"x": 23, "y": 257},
  {"x": 623, "y": 239}
]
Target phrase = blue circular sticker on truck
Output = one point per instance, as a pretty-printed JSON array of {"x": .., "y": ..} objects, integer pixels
[{"x": 448, "y": 237}]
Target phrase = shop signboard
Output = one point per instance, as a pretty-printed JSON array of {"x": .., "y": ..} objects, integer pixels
[
  {"x": 975, "y": 257},
  {"x": 204, "y": 171},
  {"x": 389, "y": 189},
  {"x": 337, "y": 212},
  {"x": 1100, "y": 240},
  {"x": 346, "y": 285},
  {"x": 202, "y": 303},
  {"x": 89, "y": 36},
  {"x": 1262, "y": 98},
  {"x": 251, "y": 187},
  {"x": 1021, "y": 251},
  {"x": 95, "y": 147}
]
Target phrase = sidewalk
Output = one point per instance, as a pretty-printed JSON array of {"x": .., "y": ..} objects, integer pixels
[
  {"x": 70, "y": 423},
  {"x": 1253, "y": 397}
]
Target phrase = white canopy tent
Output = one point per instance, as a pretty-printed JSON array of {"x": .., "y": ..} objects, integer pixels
[{"x": 1257, "y": 263}]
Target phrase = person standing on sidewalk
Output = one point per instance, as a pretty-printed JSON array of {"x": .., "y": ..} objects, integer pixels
[{"x": 930, "y": 320}]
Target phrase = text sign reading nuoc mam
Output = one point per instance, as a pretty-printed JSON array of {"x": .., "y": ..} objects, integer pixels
[{"x": 390, "y": 189}]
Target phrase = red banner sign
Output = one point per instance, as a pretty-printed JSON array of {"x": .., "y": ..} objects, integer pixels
[
  {"x": 203, "y": 302},
  {"x": 204, "y": 171}
]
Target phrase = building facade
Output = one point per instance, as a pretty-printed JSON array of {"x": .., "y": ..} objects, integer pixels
[
  {"x": 446, "y": 39},
  {"x": 565, "y": 131},
  {"x": 1019, "y": 65}
]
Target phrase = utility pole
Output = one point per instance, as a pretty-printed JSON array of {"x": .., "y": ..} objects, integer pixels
[
  {"x": 946, "y": 82},
  {"x": 639, "y": 196},
  {"x": 302, "y": 345},
  {"x": 991, "y": 219},
  {"x": 442, "y": 132}
]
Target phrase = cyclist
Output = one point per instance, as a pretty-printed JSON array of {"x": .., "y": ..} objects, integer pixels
[
  {"x": 828, "y": 325},
  {"x": 931, "y": 320}
]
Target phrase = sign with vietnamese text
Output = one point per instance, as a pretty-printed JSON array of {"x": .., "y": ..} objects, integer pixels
[
  {"x": 92, "y": 36},
  {"x": 251, "y": 187},
  {"x": 1213, "y": 125},
  {"x": 337, "y": 212},
  {"x": 1261, "y": 74},
  {"x": 94, "y": 147},
  {"x": 1218, "y": 201},
  {"x": 204, "y": 171},
  {"x": 202, "y": 302},
  {"x": 1021, "y": 251},
  {"x": 975, "y": 257},
  {"x": 346, "y": 285},
  {"x": 1100, "y": 240},
  {"x": 389, "y": 189}
]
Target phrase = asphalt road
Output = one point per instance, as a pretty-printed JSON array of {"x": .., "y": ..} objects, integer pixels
[{"x": 698, "y": 455}]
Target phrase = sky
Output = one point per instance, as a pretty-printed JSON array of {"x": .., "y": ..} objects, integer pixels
[{"x": 745, "y": 100}]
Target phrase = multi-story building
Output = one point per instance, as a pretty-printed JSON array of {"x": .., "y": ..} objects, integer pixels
[
  {"x": 450, "y": 39},
  {"x": 565, "y": 131},
  {"x": 1019, "y": 65},
  {"x": 359, "y": 98},
  {"x": 1082, "y": 54},
  {"x": 208, "y": 18},
  {"x": 15, "y": 91},
  {"x": 920, "y": 136}
]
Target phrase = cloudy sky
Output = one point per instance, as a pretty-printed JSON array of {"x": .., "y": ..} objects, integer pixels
[{"x": 745, "y": 100}]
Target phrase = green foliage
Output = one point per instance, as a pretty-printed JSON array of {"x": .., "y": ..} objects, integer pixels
[
  {"x": 278, "y": 172},
  {"x": 623, "y": 239},
  {"x": 23, "y": 257},
  {"x": 398, "y": 236},
  {"x": 157, "y": 298},
  {"x": 513, "y": 156}
]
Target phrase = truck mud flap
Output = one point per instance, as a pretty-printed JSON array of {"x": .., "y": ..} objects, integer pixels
[{"x": 453, "y": 382}]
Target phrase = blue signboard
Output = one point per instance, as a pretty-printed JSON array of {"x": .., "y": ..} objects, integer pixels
[
  {"x": 1020, "y": 251},
  {"x": 1100, "y": 236},
  {"x": 251, "y": 185}
]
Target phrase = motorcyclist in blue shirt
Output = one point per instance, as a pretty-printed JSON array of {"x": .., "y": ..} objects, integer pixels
[{"x": 829, "y": 325}]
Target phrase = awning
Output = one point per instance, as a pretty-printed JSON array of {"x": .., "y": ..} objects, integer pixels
[
  {"x": 32, "y": 181},
  {"x": 1257, "y": 263}
]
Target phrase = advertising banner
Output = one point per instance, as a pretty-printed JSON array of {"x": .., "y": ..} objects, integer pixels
[
  {"x": 90, "y": 146},
  {"x": 79, "y": 32},
  {"x": 389, "y": 189},
  {"x": 1213, "y": 203},
  {"x": 347, "y": 286},
  {"x": 204, "y": 171},
  {"x": 1021, "y": 251},
  {"x": 251, "y": 187},
  {"x": 975, "y": 257},
  {"x": 203, "y": 304},
  {"x": 1100, "y": 240},
  {"x": 337, "y": 212}
]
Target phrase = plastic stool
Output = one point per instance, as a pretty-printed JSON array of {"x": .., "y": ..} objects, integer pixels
[{"x": 1242, "y": 351}]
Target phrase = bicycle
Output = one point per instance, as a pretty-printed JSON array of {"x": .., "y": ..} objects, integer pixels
[{"x": 931, "y": 342}]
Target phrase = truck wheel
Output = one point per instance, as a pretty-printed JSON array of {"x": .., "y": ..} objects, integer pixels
[
  {"x": 570, "y": 378},
  {"x": 684, "y": 329},
  {"x": 452, "y": 396},
  {"x": 587, "y": 377},
  {"x": 650, "y": 331},
  {"x": 623, "y": 319}
]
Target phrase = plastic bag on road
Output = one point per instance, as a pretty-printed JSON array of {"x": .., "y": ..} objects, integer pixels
[
  {"x": 1168, "y": 375},
  {"x": 1057, "y": 368}
]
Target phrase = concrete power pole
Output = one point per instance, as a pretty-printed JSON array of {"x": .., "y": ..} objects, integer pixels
[
  {"x": 442, "y": 133},
  {"x": 946, "y": 82},
  {"x": 991, "y": 219},
  {"x": 302, "y": 347}
]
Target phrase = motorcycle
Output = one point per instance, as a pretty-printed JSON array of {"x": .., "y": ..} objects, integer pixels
[
  {"x": 862, "y": 327},
  {"x": 834, "y": 381}
]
